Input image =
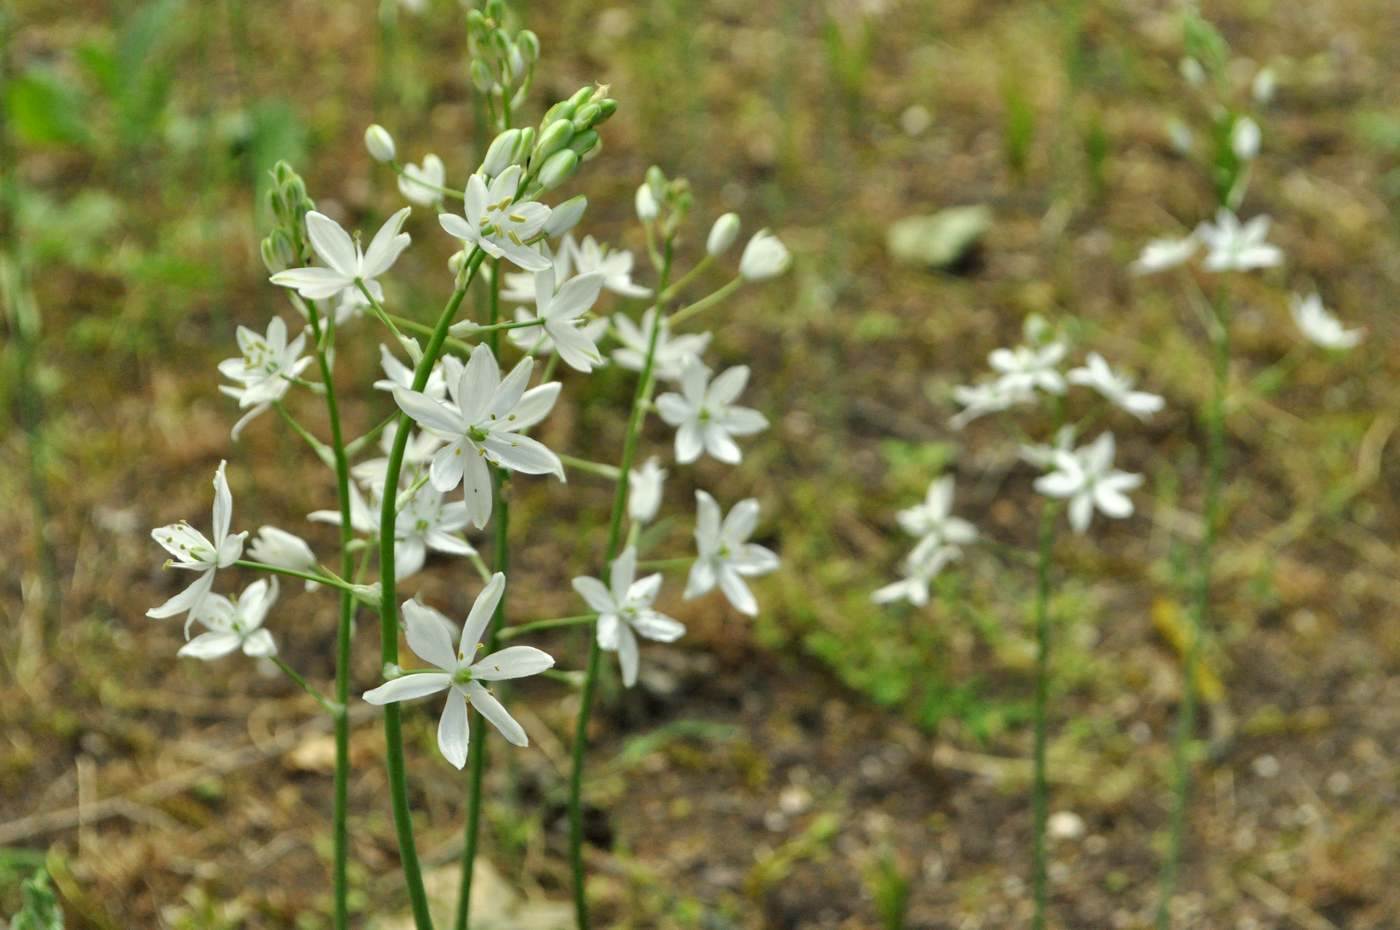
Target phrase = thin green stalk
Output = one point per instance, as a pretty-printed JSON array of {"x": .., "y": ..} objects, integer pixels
[
  {"x": 325, "y": 579},
  {"x": 1040, "y": 792},
  {"x": 640, "y": 402},
  {"x": 501, "y": 561},
  {"x": 389, "y": 612},
  {"x": 704, "y": 303},
  {"x": 593, "y": 468},
  {"x": 535, "y": 626},
  {"x": 340, "y": 842},
  {"x": 336, "y": 710},
  {"x": 1200, "y": 612}
]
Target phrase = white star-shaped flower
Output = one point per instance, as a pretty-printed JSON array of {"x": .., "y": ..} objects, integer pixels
[
  {"x": 615, "y": 265},
  {"x": 625, "y": 612},
  {"x": 978, "y": 400},
  {"x": 264, "y": 371},
  {"x": 560, "y": 312},
  {"x": 1096, "y": 373},
  {"x": 644, "y": 486},
  {"x": 1320, "y": 327},
  {"x": 422, "y": 184},
  {"x": 275, "y": 546},
  {"x": 481, "y": 423},
  {"x": 934, "y": 517},
  {"x": 918, "y": 570},
  {"x": 423, "y": 522},
  {"x": 1233, "y": 246},
  {"x": 459, "y": 673},
  {"x": 704, "y": 414},
  {"x": 195, "y": 552},
  {"x": 232, "y": 625},
  {"x": 725, "y": 555},
  {"x": 1161, "y": 254},
  {"x": 1088, "y": 479},
  {"x": 672, "y": 352},
  {"x": 1030, "y": 368},
  {"x": 495, "y": 222},
  {"x": 345, "y": 264}
]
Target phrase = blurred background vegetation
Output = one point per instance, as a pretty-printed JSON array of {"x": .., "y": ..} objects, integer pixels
[{"x": 832, "y": 764}]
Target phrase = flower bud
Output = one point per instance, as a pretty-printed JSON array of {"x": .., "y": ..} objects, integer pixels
[
  {"x": 501, "y": 154},
  {"x": 764, "y": 257},
  {"x": 586, "y": 116},
  {"x": 457, "y": 262},
  {"x": 561, "y": 110},
  {"x": 379, "y": 143},
  {"x": 1263, "y": 86},
  {"x": 722, "y": 234},
  {"x": 555, "y": 137},
  {"x": 277, "y": 252},
  {"x": 1244, "y": 138},
  {"x": 582, "y": 96},
  {"x": 529, "y": 45},
  {"x": 565, "y": 216},
  {"x": 558, "y": 168},
  {"x": 646, "y": 204},
  {"x": 516, "y": 60},
  {"x": 527, "y": 143},
  {"x": 607, "y": 107},
  {"x": 481, "y": 76},
  {"x": 585, "y": 142},
  {"x": 1192, "y": 71}
]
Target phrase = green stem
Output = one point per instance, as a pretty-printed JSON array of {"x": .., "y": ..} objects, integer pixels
[
  {"x": 534, "y": 626},
  {"x": 1040, "y": 793},
  {"x": 664, "y": 564},
  {"x": 593, "y": 468},
  {"x": 377, "y": 310},
  {"x": 423, "y": 329},
  {"x": 398, "y": 169},
  {"x": 317, "y": 446},
  {"x": 340, "y": 856},
  {"x": 325, "y": 579},
  {"x": 640, "y": 402},
  {"x": 686, "y": 278},
  {"x": 1200, "y": 612},
  {"x": 331, "y": 707},
  {"x": 704, "y": 303},
  {"x": 501, "y": 561},
  {"x": 389, "y": 612}
]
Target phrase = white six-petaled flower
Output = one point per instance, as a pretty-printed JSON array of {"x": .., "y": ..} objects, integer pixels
[
  {"x": 704, "y": 414},
  {"x": 672, "y": 354},
  {"x": 1319, "y": 326},
  {"x": 460, "y": 673},
  {"x": 764, "y": 257},
  {"x": 625, "y": 612},
  {"x": 275, "y": 546},
  {"x": 480, "y": 423},
  {"x": 560, "y": 313},
  {"x": 1088, "y": 479},
  {"x": 496, "y": 223},
  {"x": 264, "y": 371},
  {"x": 1117, "y": 388},
  {"x": 725, "y": 555},
  {"x": 345, "y": 264},
  {"x": 193, "y": 551},
  {"x": 422, "y": 184},
  {"x": 1028, "y": 368},
  {"x": 234, "y": 625},
  {"x": 917, "y": 571},
  {"x": 933, "y": 519},
  {"x": 1235, "y": 246}
]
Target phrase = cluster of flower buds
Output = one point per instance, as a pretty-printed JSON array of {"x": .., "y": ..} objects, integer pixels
[{"x": 502, "y": 62}]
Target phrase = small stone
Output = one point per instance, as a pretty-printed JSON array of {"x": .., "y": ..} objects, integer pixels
[
  {"x": 1065, "y": 825},
  {"x": 1266, "y": 766},
  {"x": 939, "y": 241}
]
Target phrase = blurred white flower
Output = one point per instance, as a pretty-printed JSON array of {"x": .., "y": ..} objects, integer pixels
[
  {"x": 496, "y": 223},
  {"x": 264, "y": 371},
  {"x": 1029, "y": 368},
  {"x": 764, "y": 257},
  {"x": 345, "y": 263},
  {"x": 275, "y": 546},
  {"x": 644, "y": 486},
  {"x": 615, "y": 265},
  {"x": 565, "y": 216},
  {"x": 481, "y": 423},
  {"x": 672, "y": 354},
  {"x": 1117, "y": 388},
  {"x": 399, "y": 375},
  {"x": 1245, "y": 138},
  {"x": 625, "y": 612},
  {"x": 645, "y": 202},
  {"x": 978, "y": 400},
  {"x": 422, "y": 184},
  {"x": 722, "y": 235},
  {"x": 429, "y": 636},
  {"x": 704, "y": 414},
  {"x": 423, "y": 522},
  {"x": 725, "y": 555},
  {"x": 934, "y": 517},
  {"x": 1042, "y": 456},
  {"x": 1233, "y": 246},
  {"x": 535, "y": 340},
  {"x": 195, "y": 552},
  {"x": 233, "y": 626},
  {"x": 1264, "y": 84},
  {"x": 917, "y": 571},
  {"x": 1319, "y": 326},
  {"x": 1161, "y": 254},
  {"x": 1088, "y": 479},
  {"x": 379, "y": 143}
]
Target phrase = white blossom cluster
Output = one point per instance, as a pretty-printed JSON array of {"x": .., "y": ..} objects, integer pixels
[{"x": 472, "y": 415}]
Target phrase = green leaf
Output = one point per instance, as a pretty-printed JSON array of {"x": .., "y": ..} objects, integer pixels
[
  {"x": 43, "y": 109},
  {"x": 39, "y": 910}
]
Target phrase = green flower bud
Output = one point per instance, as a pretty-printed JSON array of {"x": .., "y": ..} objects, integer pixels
[
  {"x": 481, "y": 76},
  {"x": 586, "y": 116},
  {"x": 529, "y": 45},
  {"x": 584, "y": 142},
  {"x": 582, "y": 95},
  {"x": 555, "y": 137},
  {"x": 526, "y": 144},
  {"x": 277, "y": 252},
  {"x": 502, "y": 153},
  {"x": 561, "y": 110},
  {"x": 558, "y": 169}
]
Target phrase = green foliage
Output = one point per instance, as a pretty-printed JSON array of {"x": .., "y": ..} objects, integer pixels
[
  {"x": 43, "y": 109},
  {"x": 135, "y": 72},
  {"x": 1203, "y": 42},
  {"x": 848, "y": 54},
  {"x": 1018, "y": 123},
  {"x": 40, "y": 909},
  {"x": 889, "y": 888}
]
